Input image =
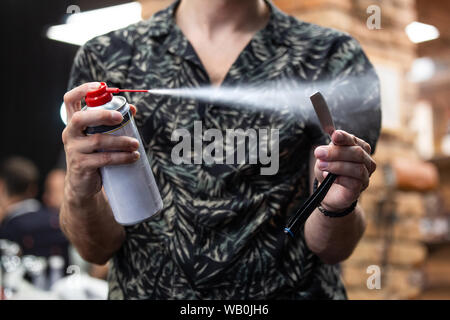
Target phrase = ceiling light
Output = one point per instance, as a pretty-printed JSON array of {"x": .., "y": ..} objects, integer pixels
[
  {"x": 83, "y": 26},
  {"x": 420, "y": 32},
  {"x": 423, "y": 69},
  {"x": 63, "y": 113}
]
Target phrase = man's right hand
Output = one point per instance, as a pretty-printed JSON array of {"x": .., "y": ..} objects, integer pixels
[{"x": 83, "y": 180}]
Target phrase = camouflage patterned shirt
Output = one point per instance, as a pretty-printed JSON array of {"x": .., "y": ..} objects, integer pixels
[{"x": 220, "y": 234}]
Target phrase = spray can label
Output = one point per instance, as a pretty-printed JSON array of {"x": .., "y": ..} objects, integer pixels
[{"x": 110, "y": 129}]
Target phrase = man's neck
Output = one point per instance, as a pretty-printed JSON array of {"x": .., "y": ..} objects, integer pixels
[{"x": 213, "y": 15}]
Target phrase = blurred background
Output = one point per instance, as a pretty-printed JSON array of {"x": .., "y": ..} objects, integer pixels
[{"x": 408, "y": 203}]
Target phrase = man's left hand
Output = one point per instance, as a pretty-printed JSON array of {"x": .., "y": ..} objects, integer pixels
[{"x": 348, "y": 157}]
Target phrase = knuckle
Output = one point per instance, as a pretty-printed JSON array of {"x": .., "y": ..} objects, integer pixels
[
  {"x": 77, "y": 163},
  {"x": 331, "y": 152},
  {"x": 366, "y": 174},
  {"x": 96, "y": 141},
  {"x": 66, "y": 97},
  {"x": 374, "y": 165},
  {"x": 105, "y": 115},
  {"x": 360, "y": 154},
  {"x": 64, "y": 136},
  {"x": 76, "y": 119},
  {"x": 106, "y": 158},
  {"x": 77, "y": 166},
  {"x": 69, "y": 149},
  {"x": 362, "y": 170}
]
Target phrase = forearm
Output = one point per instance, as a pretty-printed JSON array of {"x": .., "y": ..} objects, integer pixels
[
  {"x": 91, "y": 228},
  {"x": 86, "y": 217},
  {"x": 334, "y": 239}
]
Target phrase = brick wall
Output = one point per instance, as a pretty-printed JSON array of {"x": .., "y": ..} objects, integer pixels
[{"x": 388, "y": 47}]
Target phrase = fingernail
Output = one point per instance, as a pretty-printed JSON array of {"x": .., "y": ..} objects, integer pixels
[
  {"x": 116, "y": 116},
  {"x": 321, "y": 152},
  {"x": 323, "y": 165},
  {"x": 94, "y": 86},
  {"x": 136, "y": 155},
  {"x": 338, "y": 136},
  {"x": 134, "y": 143}
]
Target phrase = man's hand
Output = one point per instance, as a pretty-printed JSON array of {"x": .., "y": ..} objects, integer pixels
[
  {"x": 348, "y": 157},
  {"x": 83, "y": 180},
  {"x": 86, "y": 216}
]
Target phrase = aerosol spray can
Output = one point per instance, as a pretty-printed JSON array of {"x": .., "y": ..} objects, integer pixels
[{"x": 131, "y": 189}]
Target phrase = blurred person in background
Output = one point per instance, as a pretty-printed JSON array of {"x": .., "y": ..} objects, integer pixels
[
  {"x": 25, "y": 221},
  {"x": 18, "y": 185},
  {"x": 52, "y": 198},
  {"x": 54, "y": 189}
]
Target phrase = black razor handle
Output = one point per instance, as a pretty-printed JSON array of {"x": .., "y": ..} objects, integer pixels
[{"x": 300, "y": 217}]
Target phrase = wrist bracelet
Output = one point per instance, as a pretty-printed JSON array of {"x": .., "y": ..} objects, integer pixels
[{"x": 334, "y": 214}]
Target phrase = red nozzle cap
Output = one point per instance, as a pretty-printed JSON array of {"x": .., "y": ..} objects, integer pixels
[{"x": 99, "y": 97}]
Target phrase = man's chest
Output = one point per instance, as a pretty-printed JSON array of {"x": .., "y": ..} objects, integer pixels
[{"x": 234, "y": 135}]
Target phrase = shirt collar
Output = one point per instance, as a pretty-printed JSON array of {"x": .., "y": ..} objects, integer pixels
[
  {"x": 22, "y": 207},
  {"x": 161, "y": 23}
]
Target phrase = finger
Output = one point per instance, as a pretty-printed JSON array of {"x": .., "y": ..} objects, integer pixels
[
  {"x": 363, "y": 144},
  {"x": 354, "y": 185},
  {"x": 133, "y": 110},
  {"x": 92, "y": 118},
  {"x": 72, "y": 99},
  {"x": 101, "y": 159},
  {"x": 318, "y": 173},
  {"x": 345, "y": 153},
  {"x": 106, "y": 142},
  {"x": 342, "y": 138},
  {"x": 349, "y": 183},
  {"x": 347, "y": 169}
]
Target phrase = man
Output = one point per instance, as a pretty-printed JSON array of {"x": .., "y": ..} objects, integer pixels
[
  {"x": 25, "y": 221},
  {"x": 220, "y": 234},
  {"x": 54, "y": 189}
]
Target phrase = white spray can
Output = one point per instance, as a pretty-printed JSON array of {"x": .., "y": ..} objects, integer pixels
[{"x": 131, "y": 188}]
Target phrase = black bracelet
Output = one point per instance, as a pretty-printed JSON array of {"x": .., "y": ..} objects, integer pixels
[{"x": 334, "y": 214}]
